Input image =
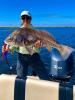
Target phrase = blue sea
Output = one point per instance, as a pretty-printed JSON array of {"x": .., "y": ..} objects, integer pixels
[{"x": 64, "y": 35}]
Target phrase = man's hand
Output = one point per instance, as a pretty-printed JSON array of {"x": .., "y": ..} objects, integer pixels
[{"x": 38, "y": 44}]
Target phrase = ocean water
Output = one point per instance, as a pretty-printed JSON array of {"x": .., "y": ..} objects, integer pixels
[{"x": 64, "y": 36}]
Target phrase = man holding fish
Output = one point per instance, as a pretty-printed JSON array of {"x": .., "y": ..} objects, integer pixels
[{"x": 28, "y": 41}]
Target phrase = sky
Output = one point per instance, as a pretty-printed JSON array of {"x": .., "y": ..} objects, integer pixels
[{"x": 44, "y": 12}]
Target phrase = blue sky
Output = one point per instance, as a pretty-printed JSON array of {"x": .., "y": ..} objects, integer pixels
[{"x": 44, "y": 12}]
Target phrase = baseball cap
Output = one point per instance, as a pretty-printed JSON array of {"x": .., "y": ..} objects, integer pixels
[{"x": 25, "y": 13}]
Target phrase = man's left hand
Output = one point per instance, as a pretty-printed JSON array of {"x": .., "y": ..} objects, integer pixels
[{"x": 38, "y": 44}]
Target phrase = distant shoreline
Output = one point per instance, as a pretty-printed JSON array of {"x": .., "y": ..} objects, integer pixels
[{"x": 40, "y": 26}]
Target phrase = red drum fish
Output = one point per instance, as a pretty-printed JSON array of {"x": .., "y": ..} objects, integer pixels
[{"x": 28, "y": 36}]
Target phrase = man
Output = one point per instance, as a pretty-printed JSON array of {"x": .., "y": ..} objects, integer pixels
[{"x": 24, "y": 59}]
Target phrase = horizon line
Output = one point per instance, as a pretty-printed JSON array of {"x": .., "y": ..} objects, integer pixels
[{"x": 36, "y": 26}]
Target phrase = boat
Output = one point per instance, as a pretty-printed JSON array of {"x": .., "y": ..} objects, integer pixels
[{"x": 34, "y": 89}]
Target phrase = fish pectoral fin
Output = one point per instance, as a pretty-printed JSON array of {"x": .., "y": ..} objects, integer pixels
[{"x": 48, "y": 47}]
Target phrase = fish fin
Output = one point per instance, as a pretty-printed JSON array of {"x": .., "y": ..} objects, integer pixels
[
  {"x": 59, "y": 47},
  {"x": 48, "y": 47},
  {"x": 63, "y": 49}
]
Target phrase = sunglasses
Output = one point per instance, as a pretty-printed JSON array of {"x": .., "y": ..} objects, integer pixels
[{"x": 25, "y": 17}]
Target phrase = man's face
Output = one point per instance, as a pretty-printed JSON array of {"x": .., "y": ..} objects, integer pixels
[{"x": 25, "y": 19}]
